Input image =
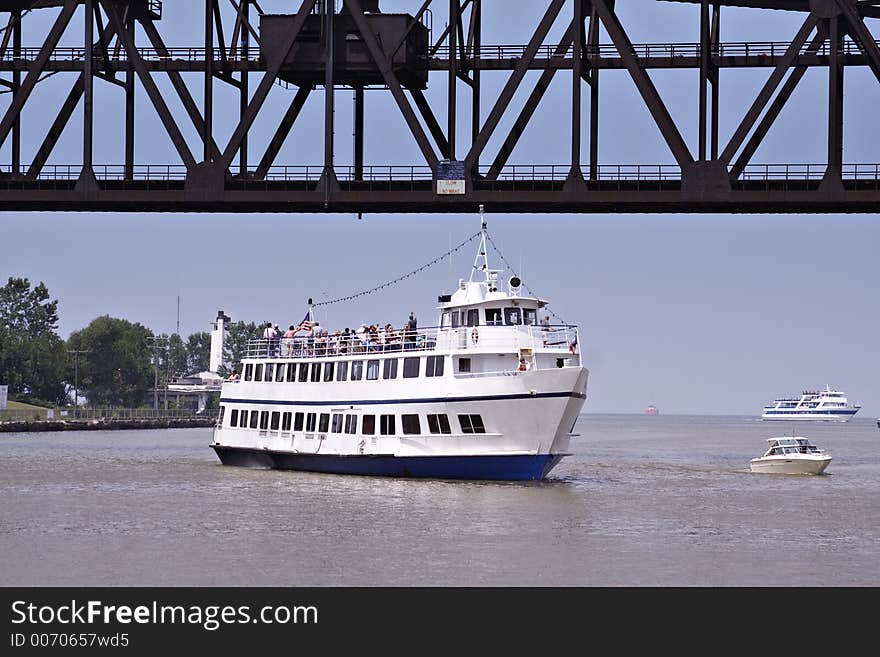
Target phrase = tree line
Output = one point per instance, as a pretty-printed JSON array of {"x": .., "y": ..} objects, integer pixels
[{"x": 110, "y": 362}]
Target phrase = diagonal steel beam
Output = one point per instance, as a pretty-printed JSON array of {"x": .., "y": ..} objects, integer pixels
[
  {"x": 104, "y": 41},
  {"x": 7, "y": 33},
  {"x": 775, "y": 109},
  {"x": 218, "y": 22},
  {"x": 245, "y": 21},
  {"x": 262, "y": 90},
  {"x": 430, "y": 120},
  {"x": 64, "y": 114},
  {"x": 768, "y": 89},
  {"x": 445, "y": 32},
  {"x": 644, "y": 84},
  {"x": 513, "y": 83},
  {"x": 186, "y": 99},
  {"x": 149, "y": 85},
  {"x": 462, "y": 45},
  {"x": 282, "y": 131},
  {"x": 384, "y": 65},
  {"x": 415, "y": 20},
  {"x": 35, "y": 69},
  {"x": 529, "y": 108},
  {"x": 472, "y": 26},
  {"x": 861, "y": 35}
]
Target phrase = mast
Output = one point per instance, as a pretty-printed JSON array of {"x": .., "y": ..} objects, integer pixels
[
  {"x": 481, "y": 260},
  {"x": 482, "y": 251}
]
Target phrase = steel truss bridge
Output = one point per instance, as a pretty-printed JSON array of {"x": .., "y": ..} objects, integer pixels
[{"x": 359, "y": 47}]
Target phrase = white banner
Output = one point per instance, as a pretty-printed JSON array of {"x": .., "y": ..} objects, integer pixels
[
  {"x": 4, "y": 392},
  {"x": 450, "y": 187}
]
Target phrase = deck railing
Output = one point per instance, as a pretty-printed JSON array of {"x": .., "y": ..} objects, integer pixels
[{"x": 557, "y": 337}]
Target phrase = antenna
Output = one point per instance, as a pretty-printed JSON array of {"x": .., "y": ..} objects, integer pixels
[{"x": 482, "y": 251}]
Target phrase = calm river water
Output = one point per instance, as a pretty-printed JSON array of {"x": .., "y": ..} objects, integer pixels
[{"x": 644, "y": 501}]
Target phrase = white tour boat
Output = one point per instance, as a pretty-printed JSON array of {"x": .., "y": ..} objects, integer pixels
[
  {"x": 825, "y": 404},
  {"x": 492, "y": 392},
  {"x": 794, "y": 455}
]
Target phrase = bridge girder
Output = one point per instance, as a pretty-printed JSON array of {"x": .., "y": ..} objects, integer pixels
[{"x": 713, "y": 177}]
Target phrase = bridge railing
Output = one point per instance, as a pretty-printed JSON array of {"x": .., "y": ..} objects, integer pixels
[
  {"x": 656, "y": 50},
  {"x": 487, "y": 51},
  {"x": 514, "y": 176}
]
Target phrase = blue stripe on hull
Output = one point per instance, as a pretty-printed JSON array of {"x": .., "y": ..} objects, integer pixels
[
  {"x": 415, "y": 400},
  {"x": 531, "y": 467}
]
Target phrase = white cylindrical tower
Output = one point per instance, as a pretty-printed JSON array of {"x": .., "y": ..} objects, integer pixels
[{"x": 217, "y": 336}]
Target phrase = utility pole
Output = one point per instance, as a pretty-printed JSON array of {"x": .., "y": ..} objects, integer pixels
[
  {"x": 76, "y": 353},
  {"x": 154, "y": 343}
]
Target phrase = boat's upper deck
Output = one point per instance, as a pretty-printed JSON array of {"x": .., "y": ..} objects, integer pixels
[{"x": 504, "y": 338}]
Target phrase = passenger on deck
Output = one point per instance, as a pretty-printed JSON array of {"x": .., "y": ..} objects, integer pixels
[
  {"x": 410, "y": 332},
  {"x": 310, "y": 338},
  {"x": 320, "y": 339},
  {"x": 233, "y": 377},
  {"x": 392, "y": 339},
  {"x": 363, "y": 338},
  {"x": 271, "y": 335},
  {"x": 289, "y": 341}
]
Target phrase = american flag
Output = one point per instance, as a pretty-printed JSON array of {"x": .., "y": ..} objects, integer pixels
[{"x": 306, "y": 324}]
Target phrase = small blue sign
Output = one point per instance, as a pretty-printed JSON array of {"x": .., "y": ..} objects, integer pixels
[{"x": 450, "y": 170}]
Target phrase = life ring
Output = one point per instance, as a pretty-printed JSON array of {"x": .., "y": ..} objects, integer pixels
[{"x": 475, "y": 336}]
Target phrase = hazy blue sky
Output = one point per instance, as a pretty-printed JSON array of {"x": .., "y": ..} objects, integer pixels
[{"x": 695, "y": 313}]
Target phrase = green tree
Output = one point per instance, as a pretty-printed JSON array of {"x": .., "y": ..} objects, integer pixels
[
  {"x": 117, "y": 369},
  {"x": 235, "y": 344},
  {"x": 198, "y": 352},
  {"x": 32, "y": 355},
  {"x": 175, "y": 354}
]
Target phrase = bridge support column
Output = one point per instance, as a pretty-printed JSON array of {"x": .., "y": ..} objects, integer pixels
[
  {"x": 705, "y": 180},
  {"x": 16, "y": 85},
  {"x": 87, "y": 182},
  {"x": 575, "y": 179},
  {"x": 328, "y": 183},
  {"x": 832, "y": 181},
  {"x": 205, "y": 180}
]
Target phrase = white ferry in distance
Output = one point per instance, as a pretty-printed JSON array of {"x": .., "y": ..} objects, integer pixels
[
  {"x": 492, "y": 392},
  {"x": 825, "y": 404}
]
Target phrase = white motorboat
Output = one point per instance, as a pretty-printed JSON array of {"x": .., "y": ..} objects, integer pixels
[
  {"x": 825, "y": 404},
  {"x": 791, "y": 455}
]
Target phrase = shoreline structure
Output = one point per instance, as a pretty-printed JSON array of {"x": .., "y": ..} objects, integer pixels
[{"x": 23, "y": 426}]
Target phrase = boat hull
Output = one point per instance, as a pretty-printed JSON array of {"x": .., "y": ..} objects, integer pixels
[
  {"x": 526, "y": 430},
  {"x": 828, "y": 416},
  {"x": 789, "y": 465},
  {"x": 515, "y": 467}
]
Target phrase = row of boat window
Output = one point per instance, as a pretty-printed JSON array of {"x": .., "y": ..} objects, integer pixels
[
  {"x": 343, "y": 370},
  {"x": 809, "y": 405},
  {"x": 780, "y": 451},
  {"x": 494, "y": 317},
  {"x": 438, "y": 423}
]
